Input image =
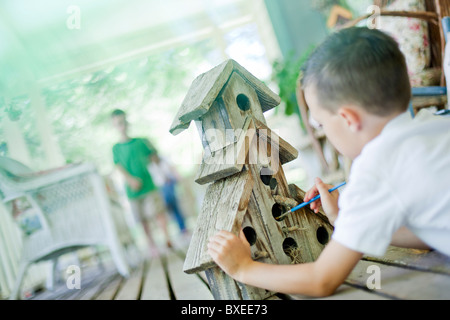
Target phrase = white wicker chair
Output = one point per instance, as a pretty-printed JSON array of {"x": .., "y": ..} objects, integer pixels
[{"x": 70, "y": 209}]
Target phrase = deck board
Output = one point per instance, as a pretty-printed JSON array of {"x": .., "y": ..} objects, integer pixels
[
  {"x": 344, "y": 292},
  {"x": 185, "y": 286},
  {"x": 424, "y": 260},
  {"x": 109, "y": 292},
  {"x": 94, "y": 290},
  {"x": 131, "y": 287},
  {"x": 405, "y": 274},
  {"x": 155, "y": 285},
  {"x": 403, "y": 283}
]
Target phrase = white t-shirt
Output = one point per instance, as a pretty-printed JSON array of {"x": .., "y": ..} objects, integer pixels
[{"x": 401, "y": 178}]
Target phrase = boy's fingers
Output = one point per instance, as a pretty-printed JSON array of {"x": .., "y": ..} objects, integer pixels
[
  {"x": 311, "y": 193},
  {"x": 316, "y": 204},
  {"x": 223, "y": 234},
  {"x": 322, "y": 187},
  {"x": 214, "y": 253},
  {"x": 243, "y": 237},
  {"x": 222, "y": 238}
]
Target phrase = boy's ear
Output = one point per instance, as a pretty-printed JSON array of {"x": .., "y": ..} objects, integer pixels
[{"x": 351, "y": 117}]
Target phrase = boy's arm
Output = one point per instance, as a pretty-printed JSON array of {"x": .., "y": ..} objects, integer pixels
[
  {"x": 151, "y": 150},
  {"x": 134, "y": 183},
  {"x": 319, "y": 278},
  {"x": 404, "y": 238}
]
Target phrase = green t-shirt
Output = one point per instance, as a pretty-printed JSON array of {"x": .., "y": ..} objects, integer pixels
[{"x": 134, "y": 156}]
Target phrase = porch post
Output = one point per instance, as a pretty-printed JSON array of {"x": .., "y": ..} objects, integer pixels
[{"x": 52, "y": 150}]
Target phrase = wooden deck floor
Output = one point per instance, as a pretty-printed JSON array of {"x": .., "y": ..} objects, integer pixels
[
  {"x": 156, "y": 279},
  {"x": 403, "y": 274}
]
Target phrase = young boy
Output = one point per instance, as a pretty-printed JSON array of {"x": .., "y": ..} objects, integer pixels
[
  {"x": 132, "y": 157},
  {"x": 357, "y": 87}
]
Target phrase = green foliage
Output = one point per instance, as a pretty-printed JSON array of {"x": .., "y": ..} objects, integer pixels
[
  {"x": 14, "y": 107},
  {"x": 148, "y": 89},
  {"x": 285, "y": 74}
]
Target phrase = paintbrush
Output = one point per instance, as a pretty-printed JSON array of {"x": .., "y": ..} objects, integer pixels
[{"x": 306, "y": 203}]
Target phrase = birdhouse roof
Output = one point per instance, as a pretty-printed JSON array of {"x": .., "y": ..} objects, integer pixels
[{"x": 207, "y": 86}]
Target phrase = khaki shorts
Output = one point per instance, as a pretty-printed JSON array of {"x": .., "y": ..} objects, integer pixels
[{"x": 148, "y": 206}]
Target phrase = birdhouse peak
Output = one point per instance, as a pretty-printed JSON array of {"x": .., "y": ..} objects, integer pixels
[{"x": 207, "y": 87}]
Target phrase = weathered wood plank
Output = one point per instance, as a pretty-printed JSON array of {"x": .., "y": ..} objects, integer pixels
[
  {"x": 182, "y": 255},
  {"x": 347, "y": 292},
  {"x": 267, "y": 98},
  {"x": 97, "y": 287},
  {"x": 155, "y": 285},
  {"x": 402, "y": 283},
  {"x": 131, "y": 288},
  {"x": 223, "y": 208},
  {"x": 93, "y": 278},
  {"x": 228, "y": 160},
  {"x": 185, "y": 286},
  {"x": 215, "y": 128},
  {"x": 268, "y": 246},
  {"x": 344, "y": 292},
  {"x": 90, "y": 278},
  {"x": 223, "y": 287},
  {"x": 424, "y": 260},
  {"x": 238, "y": 92},
  {"x": 285, "y": 152},
  {"x": 202, "y": 92},
  {"x": 109, "y": 292}
]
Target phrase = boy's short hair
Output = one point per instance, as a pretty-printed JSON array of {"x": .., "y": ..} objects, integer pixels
[
  {"x": 361, "y": 66},
  {"x": 117, "y": 112}
]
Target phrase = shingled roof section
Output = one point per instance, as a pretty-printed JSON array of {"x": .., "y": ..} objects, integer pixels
[{"x": 207, "y": 86}]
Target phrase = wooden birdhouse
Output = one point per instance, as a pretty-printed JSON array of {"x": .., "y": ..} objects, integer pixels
[{"x": 247, "y": 188}]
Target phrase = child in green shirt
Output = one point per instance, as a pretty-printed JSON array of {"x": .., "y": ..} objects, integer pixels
[{"x": 131, "y": 157}]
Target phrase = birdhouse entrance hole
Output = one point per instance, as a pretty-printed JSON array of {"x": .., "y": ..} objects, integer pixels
[
  {"x": 278, "y": 210},
  {"x": 250, "y": 235},
  {"x": 266, "y": 175},
  {"x": 291, "y": 249},
  {"x": 322, "y": 235},
  {"x": 243, "y": 102},
  {"x": 273, "y": 183}
]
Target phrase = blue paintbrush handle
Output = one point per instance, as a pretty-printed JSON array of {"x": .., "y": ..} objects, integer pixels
[
  {"x": 315, "y": 198},
  {"x": 306, "y": 203}
]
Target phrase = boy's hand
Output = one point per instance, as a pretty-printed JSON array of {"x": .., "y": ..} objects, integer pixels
[
  {"x": 328, "y": 200},
  {"x": 231, "y": 253},
  {"x": 134, "y": 183}
]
